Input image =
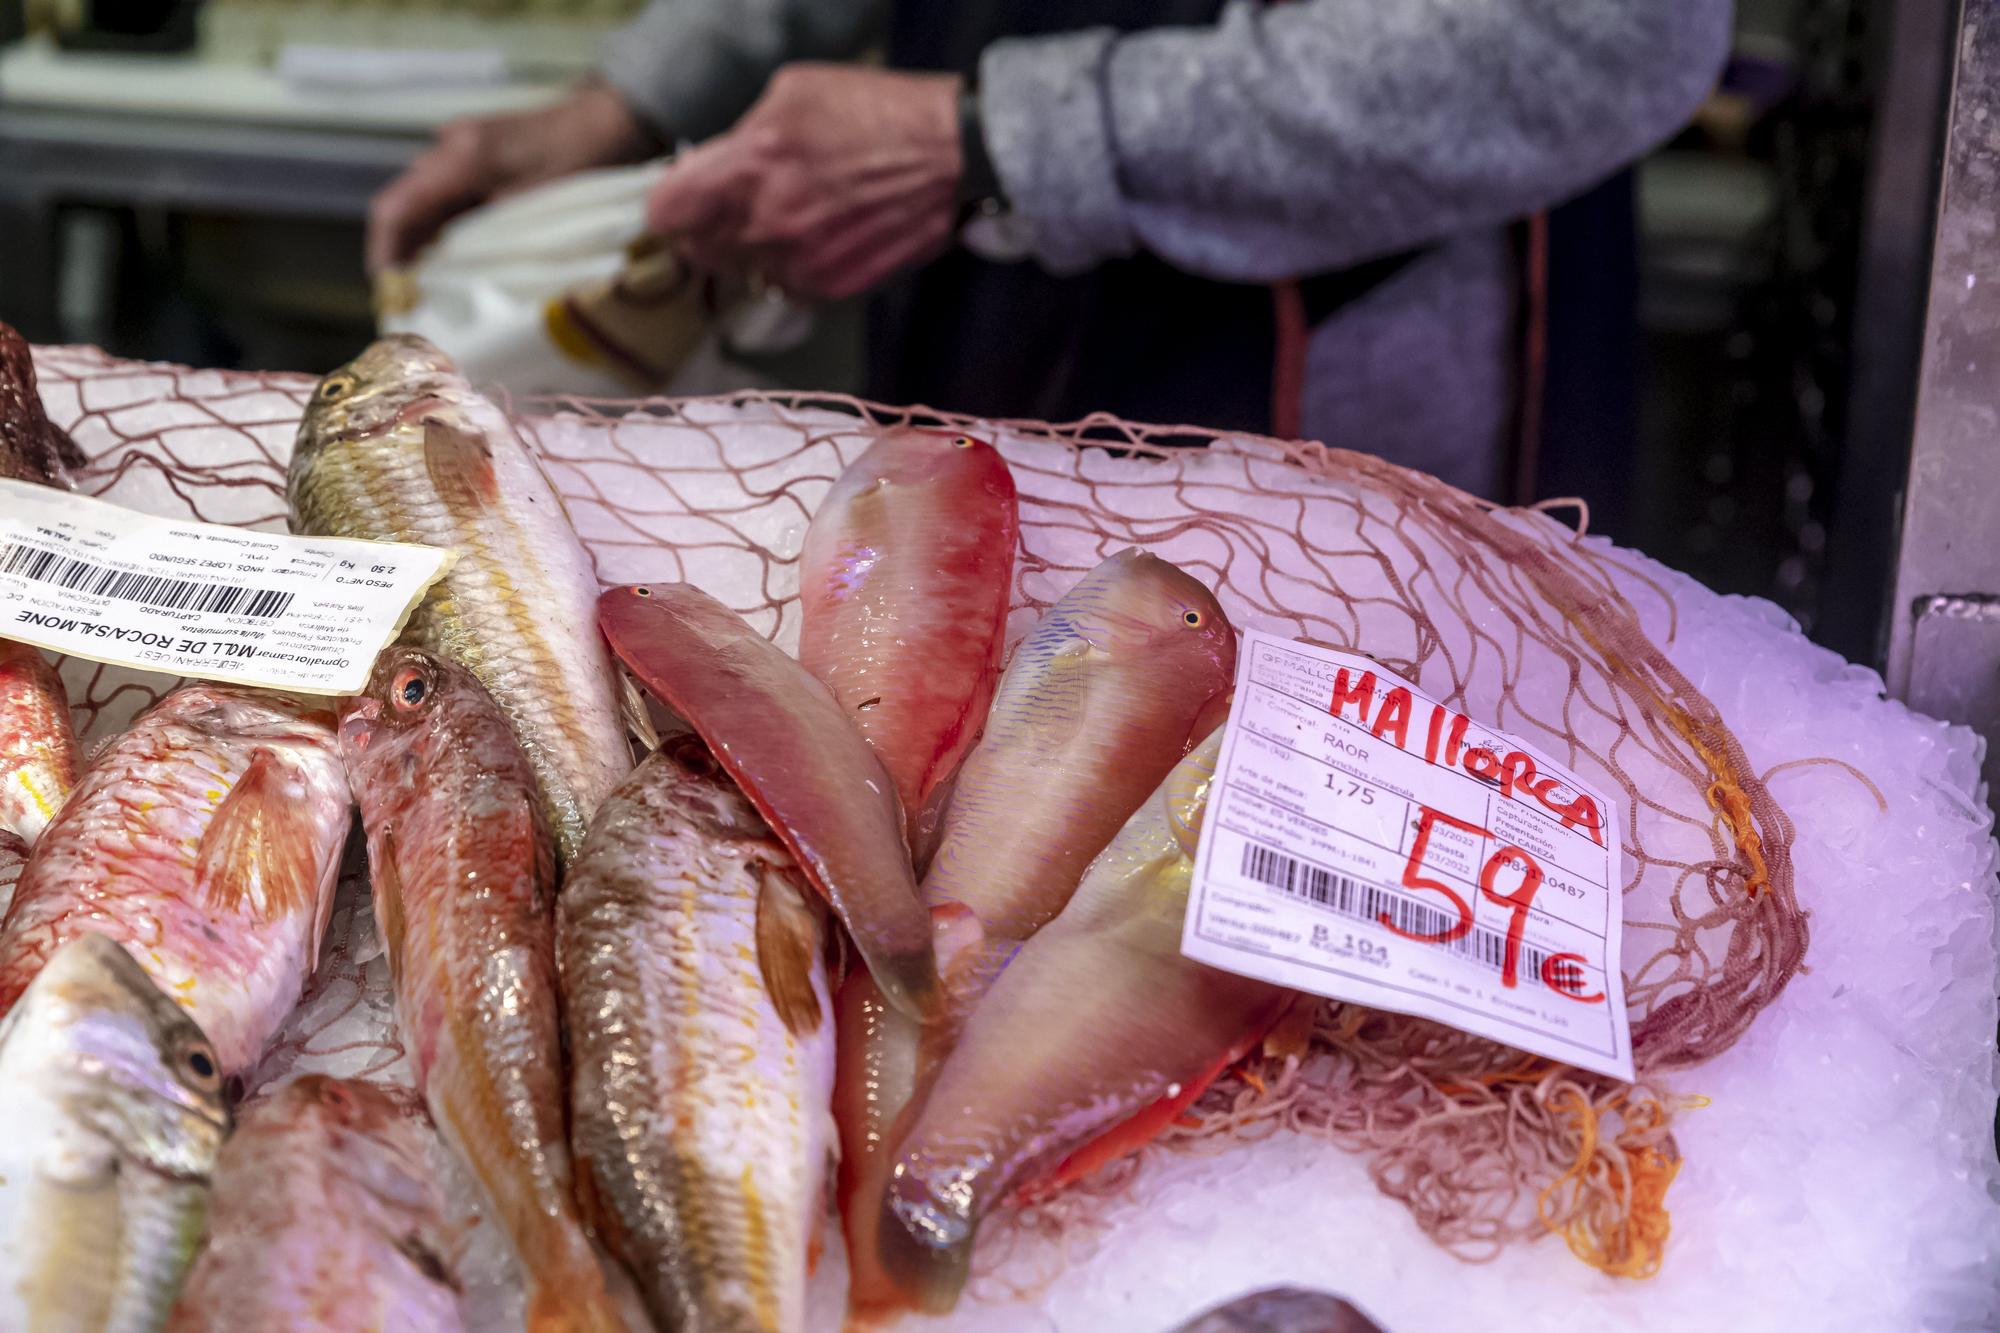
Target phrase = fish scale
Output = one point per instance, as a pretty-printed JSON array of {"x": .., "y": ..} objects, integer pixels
[{"x": 396, "y": 446}]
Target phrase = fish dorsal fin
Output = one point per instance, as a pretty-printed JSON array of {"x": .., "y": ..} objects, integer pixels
[
  {"x": 460, "y": 464},
  {"x": 258, "y": 850},
  {"x": 789, "y": 926}
]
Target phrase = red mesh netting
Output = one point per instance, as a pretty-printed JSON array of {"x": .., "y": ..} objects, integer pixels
[{"x": 1507, "y": 615}]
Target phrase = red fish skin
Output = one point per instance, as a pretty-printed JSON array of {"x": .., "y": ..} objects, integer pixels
[
  {"x": 904, "y": 585},
  {"x": 37, "y": 741},
  {"x": 212, "y": 770},
  {"x": 800, "y": 760},
  {"x": 462, "y": 868}
]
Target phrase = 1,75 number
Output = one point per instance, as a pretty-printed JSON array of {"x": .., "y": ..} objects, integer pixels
[{"x": 1348, "y": 787}]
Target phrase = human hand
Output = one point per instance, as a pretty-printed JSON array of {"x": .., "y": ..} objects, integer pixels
[
  {"x": 836, "y": 178},
  {"x": 485, "y": 157}
]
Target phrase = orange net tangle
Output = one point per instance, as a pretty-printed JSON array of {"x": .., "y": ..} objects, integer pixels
[{"x": 1506, "y": 615}]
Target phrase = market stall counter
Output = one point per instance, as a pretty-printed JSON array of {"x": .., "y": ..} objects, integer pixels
[{"x": 1806, "y": 871}]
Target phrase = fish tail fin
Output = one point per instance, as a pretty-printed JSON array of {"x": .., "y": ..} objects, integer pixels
[{"x": 925, "y": 1245}]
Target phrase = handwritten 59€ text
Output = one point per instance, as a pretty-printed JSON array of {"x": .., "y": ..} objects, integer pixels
[{"x": 1368, "y": 843}]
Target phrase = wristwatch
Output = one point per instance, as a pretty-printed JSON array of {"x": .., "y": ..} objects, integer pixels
[{"x": 987, "y": 223}]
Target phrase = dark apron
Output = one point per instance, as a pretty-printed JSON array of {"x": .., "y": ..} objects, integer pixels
[{"x": 1135, "y": 336}]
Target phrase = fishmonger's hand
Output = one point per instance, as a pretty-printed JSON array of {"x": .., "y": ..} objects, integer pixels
[{"x": 836, "y": 178}]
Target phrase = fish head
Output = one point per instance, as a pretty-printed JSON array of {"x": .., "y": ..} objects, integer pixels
[
  {"x": 375, "y": 1135},
  {"x": 908, "y": 456},
  {"x": 123, "y": 1061},
  {"x": 396, "y": 379},
  {"x": 389, "y": 731},
  {"x": 1135, "y": 604}
]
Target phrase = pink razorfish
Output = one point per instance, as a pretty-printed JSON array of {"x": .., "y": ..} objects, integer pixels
[
  {"x": 325, "y": 1218},
  {"x": 903, "y": 586},
  {"x": 206, "y": 840},
  {"x": 795, "y": 754},
  {"x": 462, "y": 866},
  {"x": 37, "y": 745},
  {"x": 1123, "y": 674},
  {"x": 1094, "y": 1038}
]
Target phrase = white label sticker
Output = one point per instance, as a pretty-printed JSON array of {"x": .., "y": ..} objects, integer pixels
[
  {"x": 91, "y": 579},
  {"x": 1366, "y": 843}
]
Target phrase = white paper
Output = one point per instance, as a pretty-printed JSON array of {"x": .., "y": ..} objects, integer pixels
[
  {"x": 1366, "y": 843},
  {"x": 307, "y": 614}
]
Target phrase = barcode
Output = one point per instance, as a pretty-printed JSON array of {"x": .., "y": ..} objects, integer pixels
[
  {"x": 227, "y": 599},
  {"x": 1368, "y": 902}
]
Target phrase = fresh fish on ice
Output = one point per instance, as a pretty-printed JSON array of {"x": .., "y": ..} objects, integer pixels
[
  {"x": 798, "y": 758},
  {"x": 396, "y": 446},
  {"x": 903, "y": 590},
  {"x": 113, "y": 1108},
  {"x": 701, "y": 1046},
  {"x": 325, "y": 1218},
  {"x": 463, "y": 877},
  {"x": 206, "y": 840},
  {"x": 1104, "y": 696},
  {"x": 1091, "y": 1041}
]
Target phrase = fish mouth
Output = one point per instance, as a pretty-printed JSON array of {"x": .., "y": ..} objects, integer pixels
[{"x": 357, "y": 721}]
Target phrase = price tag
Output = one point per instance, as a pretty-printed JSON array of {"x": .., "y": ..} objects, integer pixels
[
  {"x": 1367, "y": 843},
  {"x": 306, "y": 614}
]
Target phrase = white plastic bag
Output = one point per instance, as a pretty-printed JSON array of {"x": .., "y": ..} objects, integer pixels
[{"x": 561, "y": 290}]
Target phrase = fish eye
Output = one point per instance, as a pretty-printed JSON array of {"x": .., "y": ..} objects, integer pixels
[
  {"x": 643, "y": 592},
  {"x": 1192, "y": 619},
  {"x": 409, "y": 688},
  {"x": 200, "y": 1063},
  {"x": 335, "y": 387},
  {"x": 962, "y": 442}
]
